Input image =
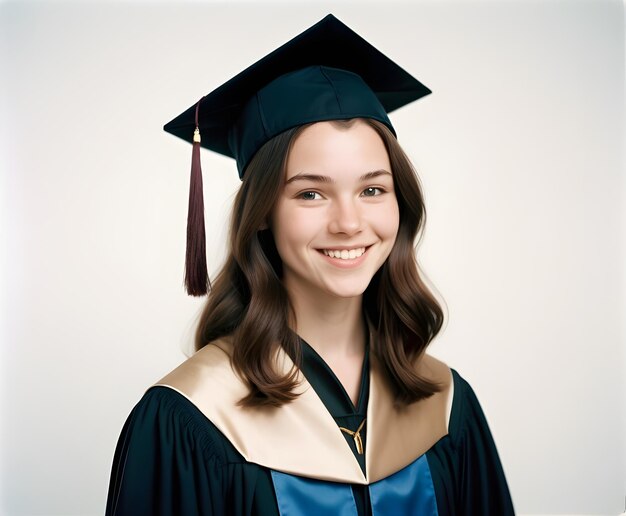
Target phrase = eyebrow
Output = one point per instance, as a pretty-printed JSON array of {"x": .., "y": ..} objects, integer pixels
[{"x": 325, "y": 179}]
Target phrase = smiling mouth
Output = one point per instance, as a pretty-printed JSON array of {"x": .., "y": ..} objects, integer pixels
[{"x": 345, "y": 254}]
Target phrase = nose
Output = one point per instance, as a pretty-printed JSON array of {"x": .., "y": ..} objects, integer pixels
[{"x": 345, "y": 217}]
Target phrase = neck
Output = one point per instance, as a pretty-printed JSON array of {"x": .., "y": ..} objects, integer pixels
[{"x": 333, "y": 326}]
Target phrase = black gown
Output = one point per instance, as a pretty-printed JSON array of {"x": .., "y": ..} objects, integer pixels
[{"x": 171, "y": 460}]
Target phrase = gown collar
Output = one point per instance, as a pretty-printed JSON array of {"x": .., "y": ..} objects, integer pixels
[
  {"x": 301, "y": 437},
  {"x": 328, "y": 387}
]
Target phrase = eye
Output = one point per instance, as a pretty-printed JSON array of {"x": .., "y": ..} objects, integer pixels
[
  {"x": 372, "y": 191},
  {"x": 309, "y": 196}
]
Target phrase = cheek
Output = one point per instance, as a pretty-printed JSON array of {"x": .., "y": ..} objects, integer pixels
[
  {"x": 293, "y": 228},
  {"x": 387, "y": 220}
]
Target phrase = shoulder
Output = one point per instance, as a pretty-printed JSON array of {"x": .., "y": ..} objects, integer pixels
[
  {"x": 161, "y": 401},
  {"x": 168, "y": 403},
  {"x": 462, "y": 405},
  {"x": 166, "y": 416},
  {"x": 463, "y": 409},
  {"x": 466, "y": 413}
]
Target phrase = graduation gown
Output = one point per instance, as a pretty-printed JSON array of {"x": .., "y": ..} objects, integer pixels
[{"x": 188, "y": 449}]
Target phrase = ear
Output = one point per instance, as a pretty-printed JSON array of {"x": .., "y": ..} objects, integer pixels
[{"x": 263, "y": 226}]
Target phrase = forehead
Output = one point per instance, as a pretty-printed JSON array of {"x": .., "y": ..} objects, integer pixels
[{"x": 337, "y": 150}]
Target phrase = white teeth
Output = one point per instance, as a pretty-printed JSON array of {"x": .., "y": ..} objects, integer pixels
[{"x": 344, "y": 254}]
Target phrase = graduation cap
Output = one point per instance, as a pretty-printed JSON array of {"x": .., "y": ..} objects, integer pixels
[{"x": 328, "y": 72}]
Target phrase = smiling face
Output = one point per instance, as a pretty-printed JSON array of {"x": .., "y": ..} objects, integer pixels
[{"x": 337, "y": 218}]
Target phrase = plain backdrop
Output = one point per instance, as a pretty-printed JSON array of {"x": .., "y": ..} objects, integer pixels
[{"x": 520, "y": 150}]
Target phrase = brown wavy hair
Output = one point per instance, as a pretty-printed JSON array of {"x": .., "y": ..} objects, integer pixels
[{"x": 248, "y": 301}]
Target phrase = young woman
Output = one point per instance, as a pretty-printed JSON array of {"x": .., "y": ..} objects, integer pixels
[{"x": 310, "y": 391}]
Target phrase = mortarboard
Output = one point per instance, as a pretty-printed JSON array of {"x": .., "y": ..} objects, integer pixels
[{"x": 327, "y": 72}]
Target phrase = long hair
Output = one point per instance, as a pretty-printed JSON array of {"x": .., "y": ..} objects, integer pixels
[{"x": 248, "y": 301}]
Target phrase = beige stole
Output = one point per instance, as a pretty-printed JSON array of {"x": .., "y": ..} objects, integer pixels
[{"x": 301, "y": 437}]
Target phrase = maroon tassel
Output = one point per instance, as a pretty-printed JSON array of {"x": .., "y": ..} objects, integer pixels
[{"x": 196, "y": 274}]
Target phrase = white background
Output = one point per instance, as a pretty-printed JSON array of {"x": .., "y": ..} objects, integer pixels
[{"x": 521, "y": 153}]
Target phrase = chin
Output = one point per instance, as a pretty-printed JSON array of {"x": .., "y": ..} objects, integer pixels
[{"x": 350, "y": 290}]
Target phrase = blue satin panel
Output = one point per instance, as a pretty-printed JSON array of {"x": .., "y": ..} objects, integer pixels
[
  {"x": 409, "y": 491},
  {"x": 300, "y": 496}
]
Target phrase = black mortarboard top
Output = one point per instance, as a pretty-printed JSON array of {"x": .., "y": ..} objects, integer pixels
[{"x": 328, "y": 72}]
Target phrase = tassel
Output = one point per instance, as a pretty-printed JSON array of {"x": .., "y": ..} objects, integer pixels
[{"x": 196, "y": 274}]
